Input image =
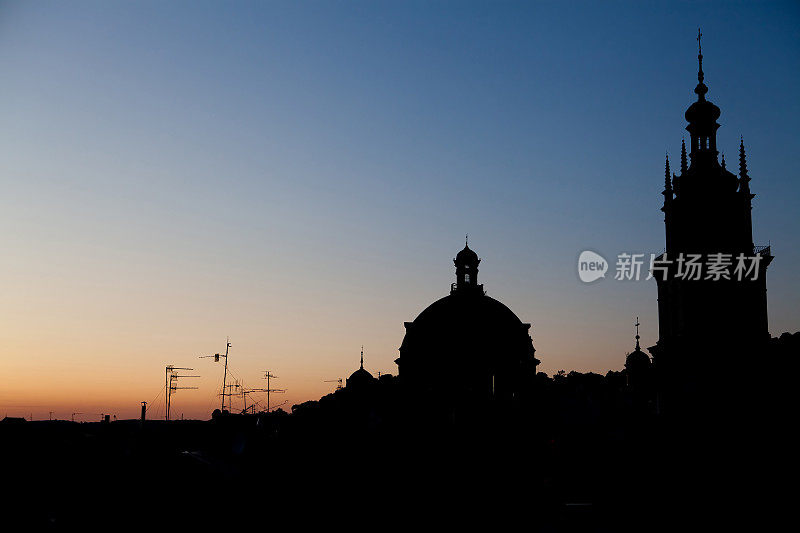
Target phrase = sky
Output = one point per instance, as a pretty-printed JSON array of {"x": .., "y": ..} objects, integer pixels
[{"x": 298, "y": 176}]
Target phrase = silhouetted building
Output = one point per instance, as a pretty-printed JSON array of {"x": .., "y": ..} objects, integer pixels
[
  {"x": 360, "y": 378},
  {"x": 712, "y": 320},
  {"x": 466, "y": 348}
]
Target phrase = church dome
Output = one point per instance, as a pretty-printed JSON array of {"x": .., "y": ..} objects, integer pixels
[
  {"x": 466, "y": 330},
  {"x": 637, "y": 359},
  {"x": 467, "y": 342},
  {"x": 361, "y": 377},
  {"x": 455, "y": 310}
]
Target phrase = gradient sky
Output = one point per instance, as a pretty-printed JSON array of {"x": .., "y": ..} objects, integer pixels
[{"x": 299, "y": 175}]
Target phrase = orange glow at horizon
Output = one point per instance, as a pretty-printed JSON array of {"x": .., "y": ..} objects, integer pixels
[{"x": 81, "y": 366}]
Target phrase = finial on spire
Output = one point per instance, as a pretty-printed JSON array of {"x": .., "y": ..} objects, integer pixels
[
  {"x": 362, "y": 357},
  {"x": 742, "y": 161},
  {"x": 699, "y": 44},
  {"x": 466, "y": 240},
  {"x": 701, "y": 88},
  {"x": 699, "y": 56},
  {"x": 637, "y": 333},
  {"x": 684, "y": 165}
]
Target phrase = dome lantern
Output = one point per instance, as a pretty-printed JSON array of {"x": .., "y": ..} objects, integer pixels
[{"x": 466, "y": 262}]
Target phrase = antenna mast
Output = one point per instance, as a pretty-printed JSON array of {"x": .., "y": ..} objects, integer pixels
[
  {"x": 338, "y": 382},
  {"x": 230, "y": 395},
  {"x": 171, "y": 384},
  {"x": 268, "y": 375}
]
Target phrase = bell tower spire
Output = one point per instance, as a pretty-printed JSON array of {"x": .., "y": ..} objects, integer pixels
[{"x": 702, "y": 117}]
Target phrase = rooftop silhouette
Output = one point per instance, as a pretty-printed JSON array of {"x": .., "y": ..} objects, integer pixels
[{"x": 469, "y": 430}]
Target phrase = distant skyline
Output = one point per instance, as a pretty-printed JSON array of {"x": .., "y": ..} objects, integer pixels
[{"x": 299, "y": 176}]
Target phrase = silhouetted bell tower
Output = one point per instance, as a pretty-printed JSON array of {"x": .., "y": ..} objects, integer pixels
[{"x": 712, "y": 323}]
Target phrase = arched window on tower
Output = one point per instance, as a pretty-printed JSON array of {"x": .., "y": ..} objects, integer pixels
[{"x": 466, "y": 278}]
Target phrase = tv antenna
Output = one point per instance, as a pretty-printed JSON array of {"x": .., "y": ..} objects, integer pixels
[
  {"x": 337, "y": 381},
  {"x": 216, "y": 357},
  {"x": 244, "y": 393},
  {"x": 230, "y": 395},
  {"x": 268, "y": 375},
  {"x": 171, "y": 384}
]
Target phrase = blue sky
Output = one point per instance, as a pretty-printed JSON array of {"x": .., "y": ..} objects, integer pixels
[{"x": 299, "y": 175}]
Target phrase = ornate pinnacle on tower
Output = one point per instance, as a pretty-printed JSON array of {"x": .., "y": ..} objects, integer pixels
[
  {"x": 668, "y": 193},
  {"x": 684, "y": 164},
  {"x": 744, "y": 178},
  {"x": 742, "y": 161},
  {"x": 667, "y": 183},
  {"x": 723, "y": 161}
]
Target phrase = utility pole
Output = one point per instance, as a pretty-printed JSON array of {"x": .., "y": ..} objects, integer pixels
[{"x": 216, "y": 357}]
